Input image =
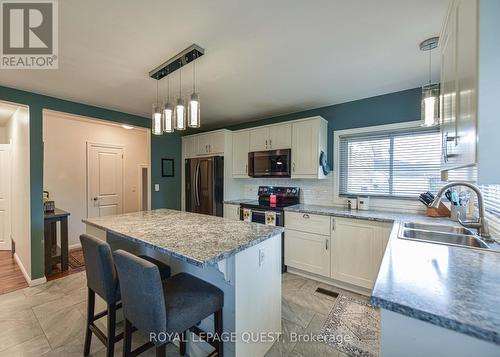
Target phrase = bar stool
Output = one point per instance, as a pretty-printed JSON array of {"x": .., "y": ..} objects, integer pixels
[
  {"x": 103, "y": 281},
  {"x": 164, "y": 310}
]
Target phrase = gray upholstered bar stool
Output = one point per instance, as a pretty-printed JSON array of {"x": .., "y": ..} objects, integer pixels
[
  {"x": 103, "y": 281},
  {"x": 164, "y": 310}
]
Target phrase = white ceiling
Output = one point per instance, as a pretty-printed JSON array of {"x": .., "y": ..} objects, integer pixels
[
  {"x": 6, "y": 111},
  {"x": 262, "y": 57}
]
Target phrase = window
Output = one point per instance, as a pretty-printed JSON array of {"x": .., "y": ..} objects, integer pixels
[
  {"x": 491, "y": 194},
  {"x": 399, "y": 164}
]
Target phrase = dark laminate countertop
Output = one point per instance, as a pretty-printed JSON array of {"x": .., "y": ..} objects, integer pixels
[
  {"x": 195, "y": 238},
  {"x": 453, "y": 287}
]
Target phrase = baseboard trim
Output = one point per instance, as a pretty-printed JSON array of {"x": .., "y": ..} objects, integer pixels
[
  {"x": 26, "y": 276},
  {"x": 330, "y": 281},
  {"x": 74, "y": 246}
]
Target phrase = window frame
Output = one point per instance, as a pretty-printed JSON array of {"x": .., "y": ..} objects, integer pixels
[{"x": 376, "y": 202}]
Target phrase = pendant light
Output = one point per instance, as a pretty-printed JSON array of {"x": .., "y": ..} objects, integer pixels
[
  {"x": 180, "y": 109},
  {"x": 430, "y": 91},
  {"x": 168, "y": 113},
  {"x": 156, "y": 125},
  {"x": 194, "y": 104}
]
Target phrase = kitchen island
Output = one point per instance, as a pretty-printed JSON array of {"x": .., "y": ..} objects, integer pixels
[{"x": 242, "y": 259}]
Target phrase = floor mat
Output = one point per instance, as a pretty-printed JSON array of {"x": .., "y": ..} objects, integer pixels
[
  {"x": 353, "y": 327},
  {"x": 76, "y": 258}
]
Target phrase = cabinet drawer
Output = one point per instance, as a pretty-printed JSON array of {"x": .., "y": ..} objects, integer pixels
[
  {"x": 308, "y": 252},
  {"x": 306, "y": 222}
]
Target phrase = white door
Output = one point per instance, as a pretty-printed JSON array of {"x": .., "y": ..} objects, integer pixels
[
  {"x": 232, "y": 211},
  {"x": 259, "y": 139},
  {"x": 308, "y": 252},
  {"x": 357, "y": 249},
  {"x": 240, "y": 153},
  {"x": 280, "y": 136},
  {"x": 203, "y": 144},
  {"x": 305, "y": 154},
  {"x": 5, "y": 242},
  {"x": 105, "y": 180},
  {"x": 216, "y": 143}
]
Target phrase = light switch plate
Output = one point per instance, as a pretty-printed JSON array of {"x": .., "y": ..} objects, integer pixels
[{"x": 157, "y": 187}]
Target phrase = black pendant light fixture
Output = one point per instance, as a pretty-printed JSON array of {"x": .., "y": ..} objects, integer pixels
[{"x": 168, "y": 118}]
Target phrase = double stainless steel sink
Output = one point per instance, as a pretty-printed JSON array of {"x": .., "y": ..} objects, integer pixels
[{"x": 442, "y": 234}]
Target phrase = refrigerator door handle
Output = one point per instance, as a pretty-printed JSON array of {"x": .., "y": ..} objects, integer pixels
[{"x": 196, "y": 185}]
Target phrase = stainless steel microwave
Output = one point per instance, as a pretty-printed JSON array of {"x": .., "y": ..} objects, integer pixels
[{"x": 272, "y": 163}]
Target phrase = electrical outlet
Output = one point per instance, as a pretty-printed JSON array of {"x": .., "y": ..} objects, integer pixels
[
  {"x": 157, "y": 187},
  {"x": 261, "y": 256}
]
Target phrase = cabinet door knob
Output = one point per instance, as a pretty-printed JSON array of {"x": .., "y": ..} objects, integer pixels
[
  {"x": 326, "y": 244},
  {"x": 293, "y": 167},
  {"x": 306, "y": 216},
  {"x": 270, "y": 144},
  {"x": 333, "y": 224},
  {"x": 266, "y": 144}
]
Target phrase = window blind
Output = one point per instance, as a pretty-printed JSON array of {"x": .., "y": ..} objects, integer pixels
[
  {"x": 491, "y": 194},
  {"x": 399, "y": 164}
]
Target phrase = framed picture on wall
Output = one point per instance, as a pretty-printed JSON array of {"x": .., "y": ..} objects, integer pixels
[{"x": 167, "y": 167}]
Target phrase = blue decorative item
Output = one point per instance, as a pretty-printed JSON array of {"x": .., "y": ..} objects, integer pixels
[{"x": 323, "y": 163}]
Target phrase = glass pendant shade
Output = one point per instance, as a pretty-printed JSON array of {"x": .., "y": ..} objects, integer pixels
[
  {"x": 180, "y": 115},
  {"x": 156, "y": 125},
  {"x": 430, "y": 105},
  {"x": 168, "y": 118},
  {"x": 194, "y": 111}
]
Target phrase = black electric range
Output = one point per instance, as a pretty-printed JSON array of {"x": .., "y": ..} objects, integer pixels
[{"x": 268, "y": 209}]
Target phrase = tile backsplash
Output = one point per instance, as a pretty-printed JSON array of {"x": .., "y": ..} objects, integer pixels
[{"x": 314, "y": 192}]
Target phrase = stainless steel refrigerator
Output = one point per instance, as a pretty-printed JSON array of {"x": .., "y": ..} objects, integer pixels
[{"x": 205, "y": 185}]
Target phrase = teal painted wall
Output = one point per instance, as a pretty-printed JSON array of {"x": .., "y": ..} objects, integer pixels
[
  {"x": 383, "y": 109},
  {"x": 165, "y": 146}
]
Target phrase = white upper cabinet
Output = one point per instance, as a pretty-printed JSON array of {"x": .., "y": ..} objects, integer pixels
[
  {"x": 206, "y": 144},
  {"x": 309, "y": 138},
  {"x": 459, "y": 90},
  {"x": 241, "y": 145},
  {"x": 469, "y": 109},
  {"x": 259, "y": 139},
  {"x": 280, "y": 136},
  {"x": 203, "y": 144},
  {"x": 189, "y": 146},
  {"x": 216, "y": 142},
  {"x": 273, "y": 137}
]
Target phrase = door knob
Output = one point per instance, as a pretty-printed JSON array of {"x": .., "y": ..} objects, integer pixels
[{"x": 96, "y": 198}]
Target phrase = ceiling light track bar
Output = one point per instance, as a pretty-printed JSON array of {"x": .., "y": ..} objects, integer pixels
[{"x": 181, "y": 59}]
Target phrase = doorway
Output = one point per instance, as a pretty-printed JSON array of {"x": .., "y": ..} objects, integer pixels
[
  {"x": 15, "y": 220},
  {"x": 5, "y": 240}
]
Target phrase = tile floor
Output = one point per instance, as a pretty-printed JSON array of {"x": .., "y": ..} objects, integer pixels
[{"x": 49, "y": 320}]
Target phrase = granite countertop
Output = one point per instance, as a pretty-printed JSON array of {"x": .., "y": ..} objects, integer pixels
[
  {"x": 453, "y": 287},
  {"x": 195, "y": 238},
  {"x": 371, "y": 215}
]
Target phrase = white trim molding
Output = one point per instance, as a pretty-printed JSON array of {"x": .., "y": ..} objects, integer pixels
[
  {"x": 30, "y": 282},
  {"x": 375, "y": 203}
]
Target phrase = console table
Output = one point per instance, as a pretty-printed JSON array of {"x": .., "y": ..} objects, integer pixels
[{"x": 53, "y": 253}]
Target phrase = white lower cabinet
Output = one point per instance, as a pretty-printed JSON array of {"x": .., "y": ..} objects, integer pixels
[
  {"x": 307, "y": 251},
  {"x": 232, "y": 211},
  {"x": 347, "y": 250},
  {"x": 357, "y": 250}
]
